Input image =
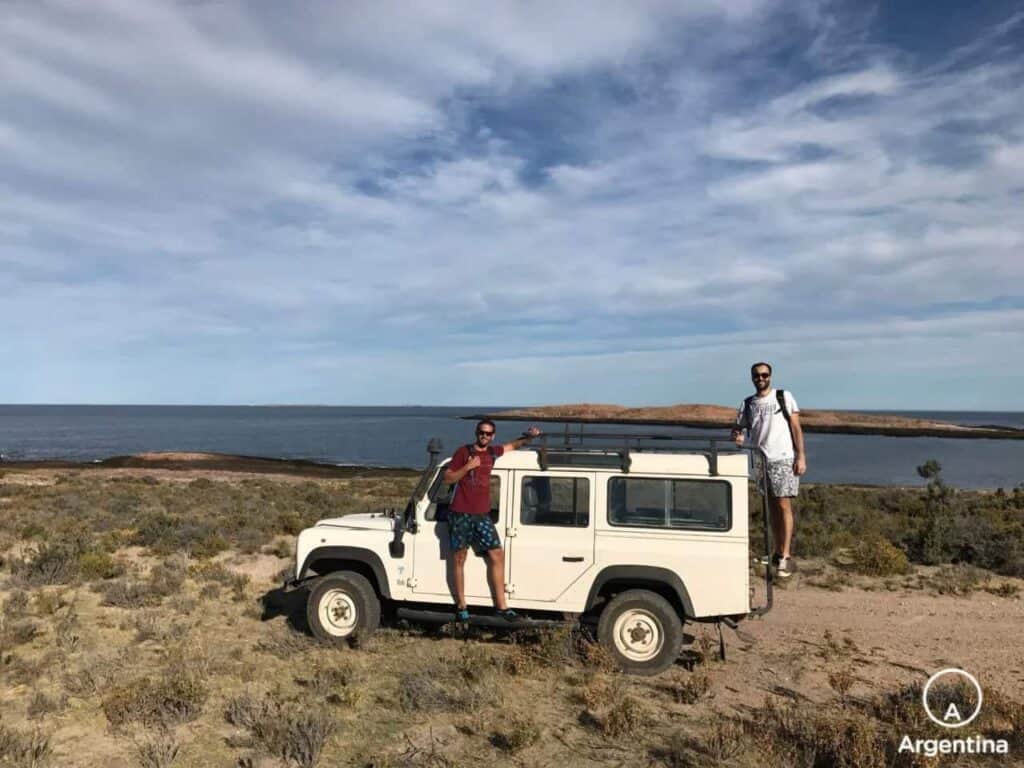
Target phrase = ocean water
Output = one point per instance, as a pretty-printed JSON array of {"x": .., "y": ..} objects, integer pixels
[{"x": 397, "y": 436}]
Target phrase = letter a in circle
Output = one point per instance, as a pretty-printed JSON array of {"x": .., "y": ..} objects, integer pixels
[{"x": 952, "y": 713}]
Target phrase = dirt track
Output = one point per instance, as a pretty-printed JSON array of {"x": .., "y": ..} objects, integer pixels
[{"x": 887, "y": 638}]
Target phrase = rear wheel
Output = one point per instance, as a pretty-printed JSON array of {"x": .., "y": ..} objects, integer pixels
[
  {"x": 343, "y": 607},
  {"x": 642, "y": 631}
]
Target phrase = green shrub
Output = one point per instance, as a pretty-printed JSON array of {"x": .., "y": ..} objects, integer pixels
[
  {"x": 98, "y": 565},
  {"x": 177, "y": 696},
  {"x": 876, "y": 556},
  {"x": 516, "y": 735}
]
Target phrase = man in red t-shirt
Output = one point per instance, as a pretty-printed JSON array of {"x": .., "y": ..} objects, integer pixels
[{"x": 469, "y": 519}]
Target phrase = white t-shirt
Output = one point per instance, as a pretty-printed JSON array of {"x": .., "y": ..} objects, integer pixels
[{"x": 768, "y": 426}]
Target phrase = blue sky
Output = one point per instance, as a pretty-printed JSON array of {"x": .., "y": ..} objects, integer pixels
[{"x": 450, "y": 203}]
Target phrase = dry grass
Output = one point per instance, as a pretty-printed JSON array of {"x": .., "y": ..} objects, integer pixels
[
  {"x": 688, "y": 687},
  {"x": 175, "y": 697},
  {"x": 520, "y": 732},
  {"x": 133, "y": 646},
  {"x": 292, "y": 730},
  {"x": 24, "y": 749},
  {"x": 157, "y": 750}
]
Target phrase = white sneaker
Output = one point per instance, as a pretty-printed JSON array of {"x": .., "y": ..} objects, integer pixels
[{"x": 785, "y": 568}]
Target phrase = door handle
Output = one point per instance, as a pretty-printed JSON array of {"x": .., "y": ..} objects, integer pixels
[{"x": 567, "y": 559}]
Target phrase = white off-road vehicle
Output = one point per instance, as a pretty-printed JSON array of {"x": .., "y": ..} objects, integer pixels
[{"x": 637, "y": 534}]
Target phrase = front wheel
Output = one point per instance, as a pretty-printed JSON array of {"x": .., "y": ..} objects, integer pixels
[
  {"x": 642, "y": 631},
  {"x": 343, "y": 607}
]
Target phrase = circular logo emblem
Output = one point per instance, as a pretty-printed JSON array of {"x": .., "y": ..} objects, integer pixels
[{"x": 951, "y": 705}]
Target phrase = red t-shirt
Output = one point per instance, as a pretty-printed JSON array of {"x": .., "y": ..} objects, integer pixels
[{"x": 473, "y": 493}]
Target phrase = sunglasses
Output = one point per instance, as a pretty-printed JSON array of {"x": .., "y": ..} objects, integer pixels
[
  {"x": 487, "y": 434},
  {"x": 762, "y": 376}
]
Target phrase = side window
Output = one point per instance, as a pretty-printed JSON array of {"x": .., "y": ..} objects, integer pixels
[
  {"x": 703, "y": 505},
  {"x": 495, "y": 498},
  {"x": 563, "y": 501},
  {"x": 441, "y": 495}
]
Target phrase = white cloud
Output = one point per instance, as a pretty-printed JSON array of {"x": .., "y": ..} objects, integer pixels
[{"x": 539, "y": 177}]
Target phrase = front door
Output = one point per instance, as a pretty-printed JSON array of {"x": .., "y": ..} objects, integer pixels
[
  {"x": 551, "y": 522},
  {"x": 433, "y": 562}
]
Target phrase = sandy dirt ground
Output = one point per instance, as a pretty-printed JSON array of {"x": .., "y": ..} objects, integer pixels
[{"x": 886, "y": 638}]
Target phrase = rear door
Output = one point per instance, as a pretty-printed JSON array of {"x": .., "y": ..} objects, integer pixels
[{"x": 549, "y": 535}]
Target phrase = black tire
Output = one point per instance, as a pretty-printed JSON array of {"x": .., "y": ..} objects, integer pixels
[
  {"x": 343, "y": 608},
  {"x": 642, "y": 632}
]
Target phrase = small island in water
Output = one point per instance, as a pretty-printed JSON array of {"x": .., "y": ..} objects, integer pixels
[{"x": 702, "y": 416}]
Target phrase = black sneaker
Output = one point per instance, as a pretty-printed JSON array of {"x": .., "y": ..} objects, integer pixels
[
  {"x": 511, "y": 616},
  {"x": 785, "y": 568}
]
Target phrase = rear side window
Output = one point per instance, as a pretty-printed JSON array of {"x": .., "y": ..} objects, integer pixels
[
  {"x": 640, "y": 502},
  {"x": 559, "y": 501}
]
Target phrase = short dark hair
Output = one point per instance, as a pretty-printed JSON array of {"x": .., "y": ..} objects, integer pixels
[
  {"x": 766, "y": 365},
  {"x": 485, "y": 421}
]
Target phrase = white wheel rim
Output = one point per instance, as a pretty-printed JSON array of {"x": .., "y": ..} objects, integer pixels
[
  {"x": 337, "y": 613},
  {"x": 638, "y": 635}
]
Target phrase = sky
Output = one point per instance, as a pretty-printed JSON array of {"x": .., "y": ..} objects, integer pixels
[{"x": 452, "y": 203}]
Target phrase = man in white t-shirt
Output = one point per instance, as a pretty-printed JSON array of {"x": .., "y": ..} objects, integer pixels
[{"x": 772, "y": 418}]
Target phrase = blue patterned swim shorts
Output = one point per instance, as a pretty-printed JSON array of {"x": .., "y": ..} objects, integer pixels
[{"x": 472, "y": 530}]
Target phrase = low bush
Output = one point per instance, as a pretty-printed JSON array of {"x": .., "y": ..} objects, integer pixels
[
  {"x": 15, "y": 633},
  {"x": 726, "y": 741},
  {"x": 335, "y": 681},
  {"x": 936, "y": 524},
  {"x": 16, "y": 604},
  {"x": 122, "y": 593},
  {"x": 19, "y": 749},
  {"x": 176, "y": 696},
  {"x": 956, "y": 580},
  {"x": 295, "y": 732},
  {"x": 877, "y": 556},
  {"x": 157, "y": 750},
  {"x": 40, "y": 705},
  {"x": 46, "y": 564},
  {"x": 623, "y": 718},
  {"x": 98, "y": 565},
  {"x": 516, "y": 734},
  {"x": 689, "y": 688},
  {"x": 168, "y": 577}
]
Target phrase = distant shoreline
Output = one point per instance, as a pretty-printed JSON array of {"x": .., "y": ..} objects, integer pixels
[
  {"x": 214, "y": 462},
  {"x": 720, "y": 417}
]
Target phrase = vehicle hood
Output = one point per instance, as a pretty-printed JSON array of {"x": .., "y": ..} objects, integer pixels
[{"x": 365, "y": 521}]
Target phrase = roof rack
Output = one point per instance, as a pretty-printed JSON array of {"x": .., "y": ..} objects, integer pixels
[{"x": 579, "y": 448}]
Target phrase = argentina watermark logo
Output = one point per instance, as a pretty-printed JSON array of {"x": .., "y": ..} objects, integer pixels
[
  {"x": 953, "y": 704},
  {"x": 952, "y": 698}
]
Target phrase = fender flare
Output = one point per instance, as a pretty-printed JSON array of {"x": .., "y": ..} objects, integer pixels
[
  {"x": 358, "y": 554},
  {"x": 642, "y": 574}
]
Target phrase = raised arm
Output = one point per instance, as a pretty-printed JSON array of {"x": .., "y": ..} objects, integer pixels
[{"x": 519, "y": 442}]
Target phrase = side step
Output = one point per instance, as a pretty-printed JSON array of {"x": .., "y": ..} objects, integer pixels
[{"x": 476, "y": 620}]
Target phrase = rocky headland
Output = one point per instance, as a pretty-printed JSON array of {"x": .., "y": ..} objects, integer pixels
[{"x": 703, "y": 416}]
